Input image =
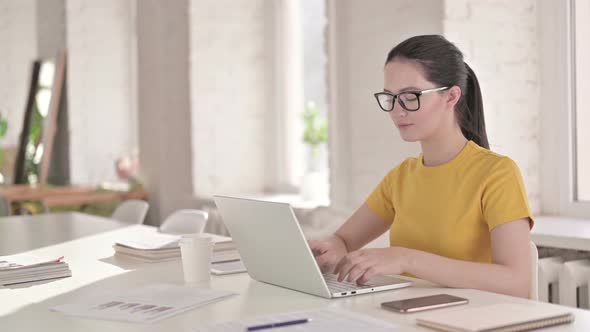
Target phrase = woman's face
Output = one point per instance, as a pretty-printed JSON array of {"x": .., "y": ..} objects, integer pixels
[{"x": 435, "y": 114}]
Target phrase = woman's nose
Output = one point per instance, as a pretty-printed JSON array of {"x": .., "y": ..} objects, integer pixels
[{"x": 398, "y": 110}]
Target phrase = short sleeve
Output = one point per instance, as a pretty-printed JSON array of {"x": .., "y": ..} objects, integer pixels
[
  {"x": 504, "y": 196},
  {"x": 380, "y": 201}
]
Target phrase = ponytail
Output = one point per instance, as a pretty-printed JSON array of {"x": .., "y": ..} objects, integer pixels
[{"x": 470, "y": 112}]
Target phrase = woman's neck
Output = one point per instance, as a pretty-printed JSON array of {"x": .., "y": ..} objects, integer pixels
[{"x": 441, "y": 151}]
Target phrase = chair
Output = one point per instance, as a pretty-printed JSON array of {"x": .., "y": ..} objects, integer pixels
[
  {"x": 132, "y": 211},
  {"x": 5, "y": 209},
  {"x": 185, "y": 222},
  {"x": 534, "y": 288}
]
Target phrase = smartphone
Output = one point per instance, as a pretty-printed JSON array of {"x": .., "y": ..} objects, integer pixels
[
  {"x": 424, "y": 303},
  {"x": 229, "y": 267}
]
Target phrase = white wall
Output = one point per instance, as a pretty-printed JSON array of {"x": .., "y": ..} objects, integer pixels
[
  {"x": 231, "y": 68},
  {"x": 101, "y": 86},
  {"x": 51, "y": 26},
  {"x": 164, "y": 100},
  {"x": 364, "y": 144},
  {"x": 315, "y": 63},
  {"x": 18, "y": 37},
  {"x": 231, "y": 46},
  {"x": 499, "y": 41}
]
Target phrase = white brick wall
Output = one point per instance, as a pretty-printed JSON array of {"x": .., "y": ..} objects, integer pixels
[
  {"x": 499, "y": 40},
  {"x": 18, "y": 37},
  {"x": 232, "y": 55},
  {"x": 231, "y": 61},
  {"x": 101, "y": 88},
  {"x": 100, "y": 80},
  {"x": 364, "y": 143}
]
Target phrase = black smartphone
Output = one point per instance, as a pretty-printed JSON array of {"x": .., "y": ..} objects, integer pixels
[{"x": 424, "y": 303}]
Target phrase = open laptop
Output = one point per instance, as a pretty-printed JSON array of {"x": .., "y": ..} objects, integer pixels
[{"x": 274, "y": 250}]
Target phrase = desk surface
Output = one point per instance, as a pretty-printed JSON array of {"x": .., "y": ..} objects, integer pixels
[
  {"x": 23, "y": 233},
  {"x": 96, "y": 272}
]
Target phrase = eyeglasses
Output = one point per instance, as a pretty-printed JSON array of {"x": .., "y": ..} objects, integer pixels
[{"x": 408, "y": 100}]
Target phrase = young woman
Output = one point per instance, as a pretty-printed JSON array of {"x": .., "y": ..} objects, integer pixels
[{"x": 458, "y": 214}]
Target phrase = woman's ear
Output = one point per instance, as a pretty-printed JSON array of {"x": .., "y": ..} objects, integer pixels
[{"x": 454, "y": 96}]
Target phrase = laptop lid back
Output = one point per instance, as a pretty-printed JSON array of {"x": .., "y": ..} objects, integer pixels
[{"x": 271, "y": 244}]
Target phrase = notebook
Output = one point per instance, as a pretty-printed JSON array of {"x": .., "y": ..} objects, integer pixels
[
  {"x": 21, "y": 268},
  {"x": 497, "y": 318}
]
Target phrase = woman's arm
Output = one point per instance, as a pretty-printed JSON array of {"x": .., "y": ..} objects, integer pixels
[
  {"x": 361, "y": 228},
  {"x": 509, "y": 272}
]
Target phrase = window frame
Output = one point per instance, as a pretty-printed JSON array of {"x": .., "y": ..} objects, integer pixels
[{"x": 558, "y": 150}]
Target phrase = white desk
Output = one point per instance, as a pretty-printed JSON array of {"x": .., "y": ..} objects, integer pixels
[
  {"x": 94, "y": 274},
  {"x": 560, "y": 232},
  {"x": 23, "y": 233}
]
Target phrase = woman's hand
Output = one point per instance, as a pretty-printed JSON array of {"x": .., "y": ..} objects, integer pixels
[
  {"x": 328, "y": 252},
  {"x": 362, "y": 265}
]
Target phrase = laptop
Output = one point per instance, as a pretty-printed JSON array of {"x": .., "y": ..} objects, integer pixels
[{"x": 274, "y": 250}]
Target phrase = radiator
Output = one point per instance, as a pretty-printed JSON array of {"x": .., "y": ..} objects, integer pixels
[{"x": 564, "y": 281}]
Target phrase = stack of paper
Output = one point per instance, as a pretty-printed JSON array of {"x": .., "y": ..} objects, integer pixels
[
  {"x": 22, "y": 268},
  {"x": 147, "y": 304},
  {"x": 159, "y": 247}
]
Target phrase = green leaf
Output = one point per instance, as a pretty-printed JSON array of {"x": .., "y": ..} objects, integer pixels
[
  {"x": 315, "y": 127},
  {"x": 3, "y": 127}
]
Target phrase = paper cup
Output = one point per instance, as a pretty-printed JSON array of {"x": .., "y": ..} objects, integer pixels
[{"x": 196, "y": 252}]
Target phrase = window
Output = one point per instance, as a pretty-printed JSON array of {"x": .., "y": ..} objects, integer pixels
[
  {"x": 565, "y": 107},
  {"x": 581, "y": 98},
  {"x": 314, "y": 183},
  {"x": 302, "y": 102}
]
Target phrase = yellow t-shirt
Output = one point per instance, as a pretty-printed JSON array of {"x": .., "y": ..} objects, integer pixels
[{"x": 450, "y": 210}]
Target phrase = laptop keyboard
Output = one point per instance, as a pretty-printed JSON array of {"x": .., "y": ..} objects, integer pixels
[{"x": 335, "y": 286}]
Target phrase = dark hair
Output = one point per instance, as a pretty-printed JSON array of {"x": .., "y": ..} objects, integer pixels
[{"x": 443, "y": 65}]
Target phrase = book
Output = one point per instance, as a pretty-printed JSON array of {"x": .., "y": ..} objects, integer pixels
[
  {"x": 21, "y": 268},
  {"x": 159, "y": 241},
  {"x": 498, "y": 318},
  {"x": 159, "y": 247},
  {"x": 218, "y": 256}
]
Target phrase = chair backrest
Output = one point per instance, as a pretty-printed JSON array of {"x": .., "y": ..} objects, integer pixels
[
  {"x": 132, "y": 211},
  {"x": 185, "y": 222},
  {"x": 534, "y": 290}
]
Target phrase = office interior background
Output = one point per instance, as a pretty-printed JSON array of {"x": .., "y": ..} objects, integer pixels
[{"x": 204, "y": 97}]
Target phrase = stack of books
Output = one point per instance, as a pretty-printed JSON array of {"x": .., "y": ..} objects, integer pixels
[
  {"x": 159, "y": 247},
  {"x": 23, "y": 268}
]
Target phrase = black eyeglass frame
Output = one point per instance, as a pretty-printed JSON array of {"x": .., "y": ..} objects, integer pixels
[{"x": 395, "y": 97}]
